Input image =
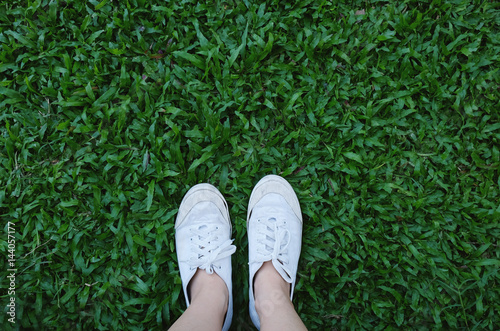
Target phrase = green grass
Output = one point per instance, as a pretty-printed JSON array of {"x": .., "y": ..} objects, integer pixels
[{"x": 387, "y": 125}]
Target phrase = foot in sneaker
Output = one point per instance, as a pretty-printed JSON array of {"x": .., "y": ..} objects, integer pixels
[
  {"x": 274, "y": 226},
  {"x": 203, "y": 240}
]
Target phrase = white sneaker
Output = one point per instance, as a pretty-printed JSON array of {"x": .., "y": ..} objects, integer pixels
[
  {"x": 274, "y": 227},
  {"x": 203, "y": 238}
]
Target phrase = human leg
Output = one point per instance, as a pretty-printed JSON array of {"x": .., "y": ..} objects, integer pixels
[
  {"x": 209, "y": 300},
  {"x": 272, "y": 301}
]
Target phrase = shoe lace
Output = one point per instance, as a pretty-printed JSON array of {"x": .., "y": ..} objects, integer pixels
[
  {"x": 206, "y": 249},
  {"x": 274, "y": 244}
]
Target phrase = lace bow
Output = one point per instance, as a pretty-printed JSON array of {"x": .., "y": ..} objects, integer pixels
[
  {"x": 274, "y": 241},
  {"x": 207, "y": 250}
]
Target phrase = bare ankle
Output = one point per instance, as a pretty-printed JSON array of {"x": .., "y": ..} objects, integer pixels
[
  {"x": 270, "y": 289},
  {"x": 204, "y": 286}
]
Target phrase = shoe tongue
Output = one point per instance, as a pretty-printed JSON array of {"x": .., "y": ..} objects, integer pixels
[
  {"x": 272, "y": 220},
  {"x": 202, "y": 227}
]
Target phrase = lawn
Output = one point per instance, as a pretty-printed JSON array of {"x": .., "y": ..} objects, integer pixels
[{"x": 383, "y": 115}]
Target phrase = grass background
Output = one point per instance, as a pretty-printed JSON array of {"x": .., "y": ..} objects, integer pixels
[{"x": 383, "y": 116}]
